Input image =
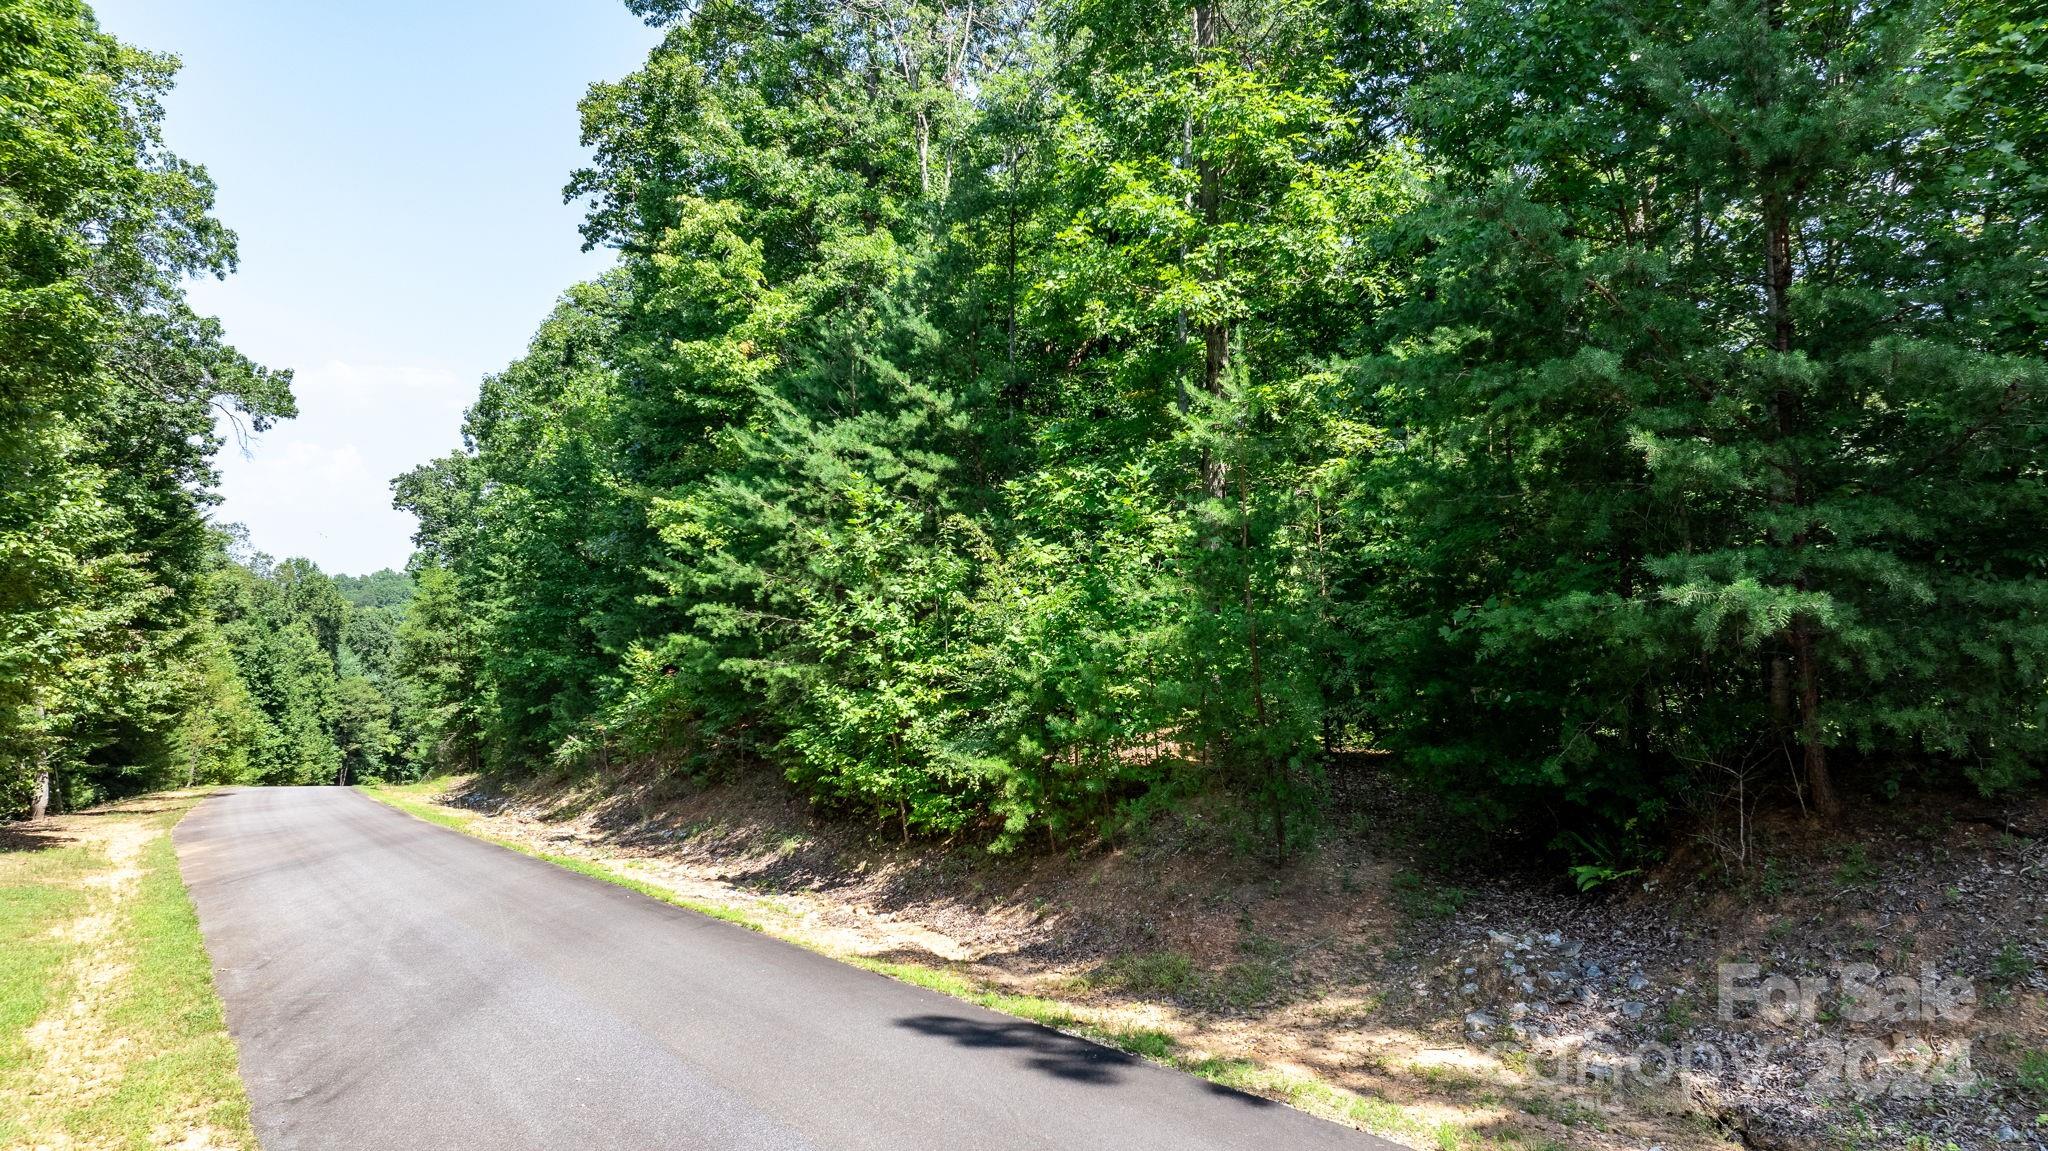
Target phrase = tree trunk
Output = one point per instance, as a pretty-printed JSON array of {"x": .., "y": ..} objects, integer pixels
[
  {"x": 1781, "y": 691},
  {"x": 39, "y": 800},
  {"x": 1778, "y": 222},
  {"x": 1778, "y": 191},
  {"x": 1778, "y": 215},
  {"x": 1818, "y": 782},
  {"x": 1277, "y": 767},
  {"x": 1209, "y": 200},
  {"x": 1010, "y": 321},
  {"x": 924, "y": 152}
]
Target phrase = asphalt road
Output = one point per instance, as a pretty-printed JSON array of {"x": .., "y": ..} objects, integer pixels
[{"x": 392, "y": 984}]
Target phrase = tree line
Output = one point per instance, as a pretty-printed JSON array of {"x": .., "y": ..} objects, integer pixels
[
  {"x": 109, "y": 385},
  {"x": 141, "y": 645},
  {"x": 1008, "y": 418}
]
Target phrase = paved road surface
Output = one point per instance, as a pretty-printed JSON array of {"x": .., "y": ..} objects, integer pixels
[{"x": 392, "y": 984}]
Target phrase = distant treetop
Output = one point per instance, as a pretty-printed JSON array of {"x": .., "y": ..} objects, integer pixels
[{"x": 386, "y": 588}]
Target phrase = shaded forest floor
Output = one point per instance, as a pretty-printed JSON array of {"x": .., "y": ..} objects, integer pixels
[{"x": 1442, "y": 1006}]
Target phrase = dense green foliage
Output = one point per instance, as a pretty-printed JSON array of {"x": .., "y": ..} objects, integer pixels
[
  {"x": 134, "y": 653},
  {"x": 1006, "y": 419},
  {"x": 111, "y": 672},
  {"x": 1721, "y": 405},
  {"x": 319, "y": 669}
]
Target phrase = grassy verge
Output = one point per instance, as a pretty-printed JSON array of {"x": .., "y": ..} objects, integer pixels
[
  {"x": 412, "y": 798},
  {"x": 1307, "y": 1093},
  {"x": 111, "y": 1035}
]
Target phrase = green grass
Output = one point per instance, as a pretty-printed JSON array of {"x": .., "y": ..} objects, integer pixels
[
  {"x": 405, "y": 798},
  {"x": 1249, "y": 983},
  {"x": 1369, "y": 1113},
  {"x": 416, "y": 800},
  {"x": 2011, "y": 964},
  {"x": 1154, "y": 1045},
  {"x": 38, "y": 888},
  {"x": 1563, "y": 1112},
  {"x": 169, "y": 1066},
  {"x": 1422, "y": 898},
  {"x": 1157, "y": 973},
  {"x": 1855, "y": 867},
  {"x": 2033, "y": 1076}
]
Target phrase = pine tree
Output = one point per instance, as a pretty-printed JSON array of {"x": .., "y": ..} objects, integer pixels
[{"x": 1707, "y": 451}]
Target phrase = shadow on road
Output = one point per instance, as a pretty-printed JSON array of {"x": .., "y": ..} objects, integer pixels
[{"x": 1046, "y": 1050}]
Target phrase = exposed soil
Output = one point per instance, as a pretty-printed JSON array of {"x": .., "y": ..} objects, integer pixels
[
  {"x": 1495, "y": 1008},
  {"x": 78, "y": 1055}
]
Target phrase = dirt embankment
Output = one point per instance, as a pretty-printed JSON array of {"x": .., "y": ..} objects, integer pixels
[{"x": 1884, "y": 986}]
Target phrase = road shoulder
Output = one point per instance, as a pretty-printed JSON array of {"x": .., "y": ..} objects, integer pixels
[
  {"x": 111, "y": 1032},
  {"x": 921, "y": 961}
]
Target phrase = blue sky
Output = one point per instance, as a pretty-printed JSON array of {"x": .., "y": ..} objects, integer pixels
[{"x": 394, "y": 170}]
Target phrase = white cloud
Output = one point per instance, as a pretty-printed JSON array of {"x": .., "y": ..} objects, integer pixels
[{"x": 319, "y": 486}]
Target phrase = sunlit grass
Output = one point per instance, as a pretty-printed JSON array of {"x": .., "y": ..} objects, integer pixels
[
  {"x": 414, "y": 799},
  {"x": 39, "y": 889},
  {"x": 159, "y": 1065}
]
